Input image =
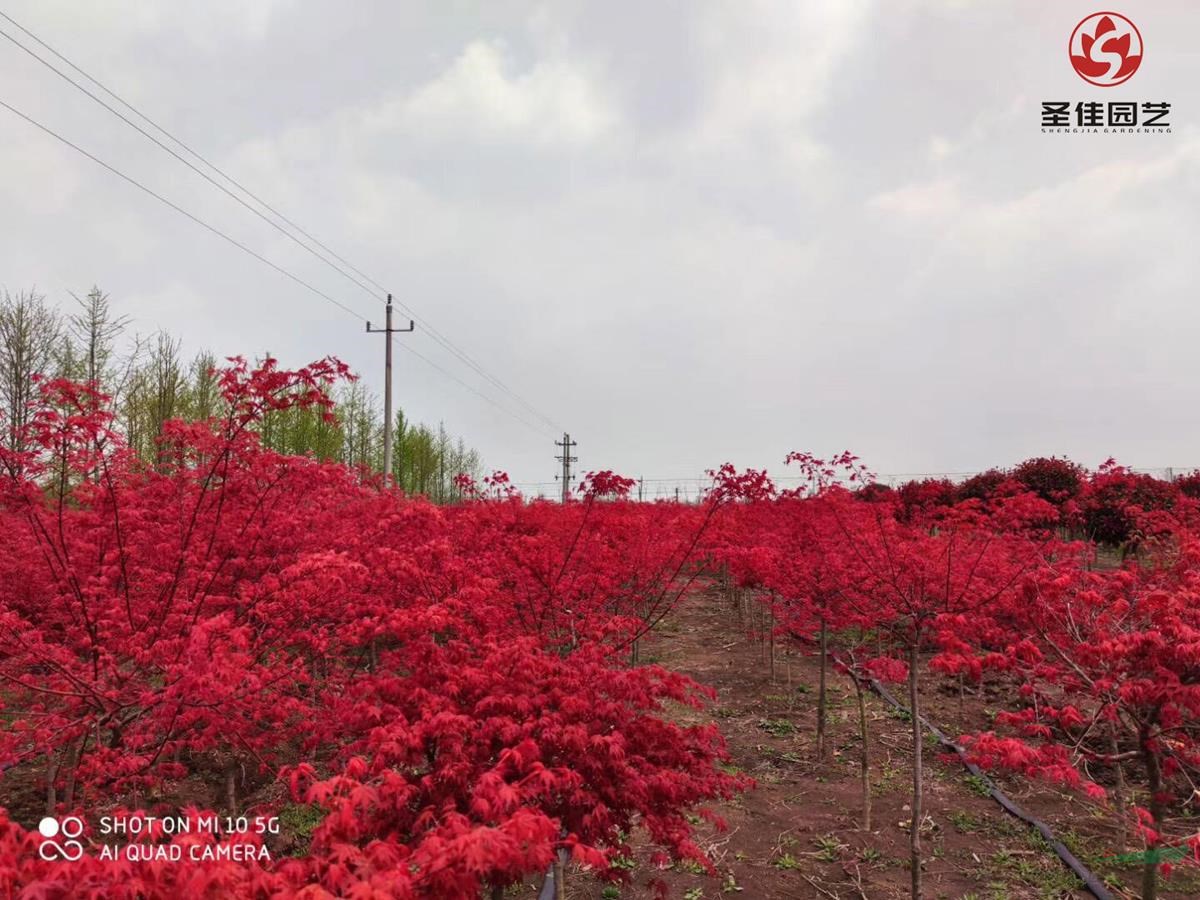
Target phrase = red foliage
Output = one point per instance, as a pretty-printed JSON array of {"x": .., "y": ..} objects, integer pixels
[
  {"x": 926, "y": 497},
  {"x": 455, "y": 691},
  {"x": 982, "y": 486},
  {"x": 1054, "y": 480},
  {"x": 449, "y": 687},
  {"x": 1117, "y": 505},
  {"x": 1189, "y": 485}
]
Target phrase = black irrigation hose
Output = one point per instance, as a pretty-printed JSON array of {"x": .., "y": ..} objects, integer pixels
[
  {"x": 1090, "y": 881},
  {"x": 549, "y": 888}
]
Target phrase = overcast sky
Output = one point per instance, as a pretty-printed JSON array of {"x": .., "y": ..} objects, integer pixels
[{"x": 687, "y": 232}]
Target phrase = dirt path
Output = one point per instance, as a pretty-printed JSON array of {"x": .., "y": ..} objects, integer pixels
[{"x": 797, "y": 834}]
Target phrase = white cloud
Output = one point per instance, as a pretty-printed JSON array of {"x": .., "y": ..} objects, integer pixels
[
  {"x": 931, "y": 199},
  {"x": 830, "y": 220},
  {"x": 484, "y": 96},
  {"x": 205, "y": 24},
  {"x": 772, "y": 68},
  {"x": 1104, "y": 209},
  {"x": 940, "y": 147},
  {"x": 39, "y": 176}
]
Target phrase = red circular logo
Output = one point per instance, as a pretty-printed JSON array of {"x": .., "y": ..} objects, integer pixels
[{"x": 1106, "y": 49}]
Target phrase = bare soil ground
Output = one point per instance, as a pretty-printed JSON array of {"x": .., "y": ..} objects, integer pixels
[{"x": 797, "y": 834}]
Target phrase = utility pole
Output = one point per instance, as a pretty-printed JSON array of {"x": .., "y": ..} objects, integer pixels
[
  {"x": 387, "y": 331},
  {"x": 566, "y": 459}
]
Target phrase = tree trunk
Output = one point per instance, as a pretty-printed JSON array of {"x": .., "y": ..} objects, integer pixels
[
  {"x": 762, "y": 630},
  {"x": 72, "y": 768},
  {"x": 787, "y": 664},
  {"x": 772, "y": 622},
  {"x": 1157, "y": 811},
  {"x": 231, "y": 789},
  {"x": 824, "y": 644},
  {"x": 864, "y": 758},
  {"x": 1119, "y": 787},
  {"x": 914, "y": 705},
  {"x": 51, "y": 777}
]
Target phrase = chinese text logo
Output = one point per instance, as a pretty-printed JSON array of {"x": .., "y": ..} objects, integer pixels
[{"x": 1106, "y": 49}]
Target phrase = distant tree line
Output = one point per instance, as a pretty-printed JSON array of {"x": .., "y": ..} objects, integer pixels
[{"x": 149, "y": 382}]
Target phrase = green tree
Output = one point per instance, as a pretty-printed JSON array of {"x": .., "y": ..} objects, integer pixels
[{"x": 30, "y": 336}]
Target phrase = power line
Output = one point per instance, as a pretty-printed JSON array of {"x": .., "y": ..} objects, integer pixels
[
  {"x": 243, "y": 247},
  {"x": 172, "y": 137},
  {"x": 181, "y": 159},
  {"x": 437, "y": 336},
  {"x": 1162, "y": 472},
  {"x": 470, "y": 363},
  {"x": 429, "y": 362},
  {"x": 179, "y": 209}
]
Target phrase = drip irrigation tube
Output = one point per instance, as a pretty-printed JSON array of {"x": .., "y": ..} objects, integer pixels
[
  {"x": 549, "y": 888},
  {"x": 1069, "y": 859},
  {"x": 1090, "y": 881}
]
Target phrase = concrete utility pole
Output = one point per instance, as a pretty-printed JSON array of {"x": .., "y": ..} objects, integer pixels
[
  {"x": 387, "y": 330},
  {"x": 566, "y": 459}
]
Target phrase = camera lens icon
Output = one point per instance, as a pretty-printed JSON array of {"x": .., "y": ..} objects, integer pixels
[{"x": 70, "y": 828}]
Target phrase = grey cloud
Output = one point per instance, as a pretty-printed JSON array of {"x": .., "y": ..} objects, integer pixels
[{"x": 691, "y": 232}]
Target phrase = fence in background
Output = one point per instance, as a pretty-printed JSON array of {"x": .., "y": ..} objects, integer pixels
[{"x": 692, "y": 490}]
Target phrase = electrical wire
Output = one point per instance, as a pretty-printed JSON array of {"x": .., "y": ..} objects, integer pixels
[
  {"x": 245, "y": 249},
  {"x": 153, "y": 124},
  {"x": 181, "y": 159},
  {"x": 535, "y": 426},
  {"x": 179, "y": 209},
  {"x": 436, "y": 335}
]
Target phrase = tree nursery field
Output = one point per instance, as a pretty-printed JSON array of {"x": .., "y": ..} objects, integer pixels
[{"x": 226, "y": 671}]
